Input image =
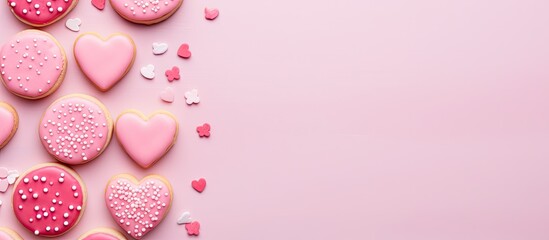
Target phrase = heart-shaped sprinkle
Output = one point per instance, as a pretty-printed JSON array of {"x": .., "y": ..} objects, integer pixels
[
  {"x": 4, "y": 184},
  {"x": 3, "y": 172},
  {"x": 184, "y": 51},
  {"x": 167, "y": 95},
  {"x": 104, "y": 62},
  {"x": 193, "y": 228},
  {"x": 12, "y": 176},
  {"x": 9, "y": 122},
  {"x": 211, "y": 13},
  {"x": 172, "y": 74},
  {"x": 159, "y": 48},
  {"x": 99, "y": 4},
  {"x": 149, "y": 200},
  {"x": 185, "y": 218},
  {"x": 73, "y": 24},
  {"x": 204, "y": 130},
  {"x": 148, "y": 71},
  {"x": 192, "y": 97},
  {"x": 146, "y": 139},
  {"x": 199, "y": 185}
]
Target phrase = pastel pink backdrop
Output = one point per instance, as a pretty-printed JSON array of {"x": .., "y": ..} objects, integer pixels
[{"x": 340, "y": 119}]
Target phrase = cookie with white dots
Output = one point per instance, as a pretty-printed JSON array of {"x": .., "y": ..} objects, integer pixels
[
  {"x": 49, "y": 199},
  {"x": 102, "y": 234},
  {"x": 40, "y": 13},
  {"x": 8, "y": 234},
  {"x": 76, "y": 129},
  {"x": 32, "y": 64},
  {"x": 146, "y": 12},
  {"x": 153, "y": 193}
]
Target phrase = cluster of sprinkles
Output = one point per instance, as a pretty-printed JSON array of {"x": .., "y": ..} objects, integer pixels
[
  {"x": 74, "y": 131},
  {"x": 143, "y": 5},
  {"x": 139, "y": 208},
  {"x": 48, "y": 203},
  {"x": 30, "y": 63},
  {"x": 49, "y": 7}
]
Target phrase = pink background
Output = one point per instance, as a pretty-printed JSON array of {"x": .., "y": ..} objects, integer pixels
[{"x": 342, "y": 119}]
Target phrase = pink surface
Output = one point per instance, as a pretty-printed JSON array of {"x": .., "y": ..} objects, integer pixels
[
  {"x": 417, "y": 120},
  {"x": 31, "y": 64}
]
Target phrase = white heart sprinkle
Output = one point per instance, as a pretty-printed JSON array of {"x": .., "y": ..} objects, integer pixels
[
  {"x": 148, "y": 71},
  {"x": 185, "y": 218},
  {"x": 73, "y": 24},
  {"x": 167, "y": 95},
  {"x": 12, "y": 176},
  {"x": 159, "y": 48},
  {"x": 192, "y": 97}
]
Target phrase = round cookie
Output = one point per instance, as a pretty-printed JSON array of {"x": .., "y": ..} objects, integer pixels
[
  {"x": 8, "y": 234},
  {"x": 152, "y": 195},
  {"x": 9, "y": 120},
  {"x": 146, "y": 11},
  {"x": 49, "y": 199},
  {"x": 102, "y": 234},
  {"x": 33, "y": 64},
  {"x": 39, "y": 13},
  {"x": 76, "y": 129}
]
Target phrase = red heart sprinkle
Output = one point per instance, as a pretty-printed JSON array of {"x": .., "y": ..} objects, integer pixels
[
  {"x": 183, "y": 51},
  {"x": 199, "y": 184},
  {"x": 193, "y": 228},
  {"x": 204, "y": 130},
  {"x": 99, "y": 4},
  {"x": 173, "y": 74}
]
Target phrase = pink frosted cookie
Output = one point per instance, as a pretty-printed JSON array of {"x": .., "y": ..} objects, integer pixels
[
  {"x": 75, "y": 129},
  {"x": 146, "y": 11},
  {"x": 33, "y": 64},
  {"x": 39, "y": 13},
  {"x": 146, "y": 139},
  {"x": 104, "y": 61},
  {"x": 49, "y": 199},
  {"x": 8, "y": 234},
  {"x": 152, "y": 196},
  {"x": 9, "y": 122},
  {"x": 102, "y": 234}
]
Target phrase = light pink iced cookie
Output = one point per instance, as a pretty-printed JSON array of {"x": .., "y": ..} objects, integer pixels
[
  {"x": 39, "y": 13},
  {"x": 146, "y": 11},
  {"x": 33, "y": 64},
  {"x": 151, "y": 199},
  {"x": 146, "y": 139},
  {"x": 102, "y": 234},
  {"x": 75, "y": 129},
  {"x": 8, "y": 234},
  {"x": 49, "y": 199},
  {"x": 9, "y": 122},
  {"x": 104, "y": 61}
]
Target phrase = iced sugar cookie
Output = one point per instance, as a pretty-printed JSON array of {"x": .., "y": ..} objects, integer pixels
[
  {"x": 8, "y": 234},
  {"x": 49, "y": 199},
  {"x": 146, "y": 11},
  {"x": 39, "y": 13},
  {"x": 152, "y": 197},
  {"x": 146, "y": 139},
  {"x": 104, "y": 61},
  {"x": 75, "y": 129},
  {"x": 32, "y": 64},
  {"x": 102, "y": 234},
  {"x": 9, "y": 122}
]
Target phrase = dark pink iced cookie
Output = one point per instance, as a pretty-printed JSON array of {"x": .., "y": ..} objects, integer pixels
[
  {"x": 40, "y": 13},
  {"x": 75, "y": 129},
  {"x": 49, "y": 199},
  {"x": 32, "y": 64}
]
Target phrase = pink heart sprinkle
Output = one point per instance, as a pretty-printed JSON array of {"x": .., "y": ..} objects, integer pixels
[
  {"x": 199, "y": 185},
  {"x": 99, "y": 4},
  {"x": 184, "y": 51},
  {"x": 211, "y": 14},
  {"x": 167, "y": 95},
  {"x": 4, "y": 185}
]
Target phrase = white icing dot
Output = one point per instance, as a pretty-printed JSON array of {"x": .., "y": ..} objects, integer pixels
[
  {"x": 35, "y": 195},
  {"x": 66, "y": 223},
  {"x": 36, "y": 232},
  {"x": 59, "y": 9},
  {"x": 45, "y": 190},
  {"x": 36, "y": 6},
  {"x": 12, "y": 4}
]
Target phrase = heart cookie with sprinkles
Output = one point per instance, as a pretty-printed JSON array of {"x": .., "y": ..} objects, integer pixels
[
  {"x": 39, "y": 13},
  {"x": 138, "y": 206},
  {"x": 49, "y": 199},
  {"x": 146, "y": 11},
  {"x": 76, "y": 129},
  {"x": 33, "y": 64},
  {"x": 9, "y": 120}
]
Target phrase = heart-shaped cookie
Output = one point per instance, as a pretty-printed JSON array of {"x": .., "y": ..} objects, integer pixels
[
  {"x": 102, "y": 234},
  {"x": 9, "y": 121},
  {"x": 146, "y": 139},
  {"x": 104, "y": 61},
  {"x": 149, "y": 200},
  {"x": 144, "y": 13},
  {"x": 39, "y": 13}
]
